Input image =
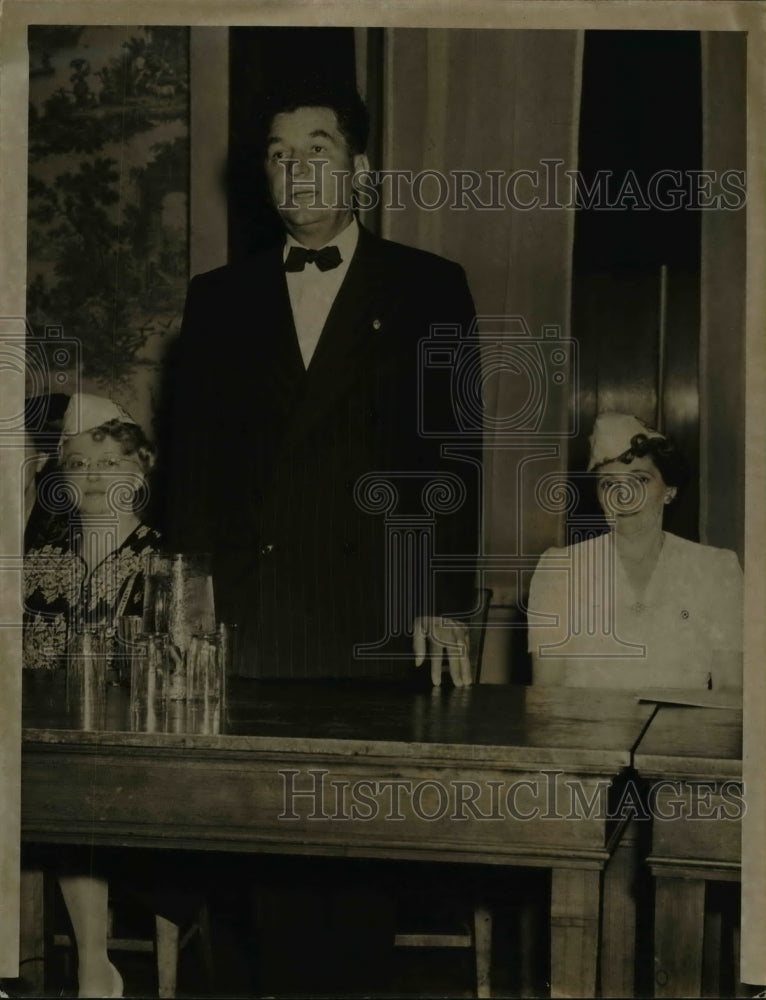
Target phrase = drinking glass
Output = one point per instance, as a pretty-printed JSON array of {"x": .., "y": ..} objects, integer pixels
[
  {"x": 178, "y": 659},
  {"x": 205, "y": 684},
  {"x": 149, "y": 683},
  {"x": 229, "y": 650},
  {"x": 87, "y": 654},
  {"x": 129, "y": 628},
  {"x": 179, "y": 596},
  {"x": 156, "y": 593}
]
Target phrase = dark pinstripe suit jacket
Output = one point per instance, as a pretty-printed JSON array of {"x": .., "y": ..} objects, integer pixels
[{"x": 265, "y": 459}]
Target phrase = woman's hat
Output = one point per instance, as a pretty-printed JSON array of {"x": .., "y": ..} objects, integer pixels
[
  {"x": 612, "y": 436},
  {"x": 85, "y": 412}
]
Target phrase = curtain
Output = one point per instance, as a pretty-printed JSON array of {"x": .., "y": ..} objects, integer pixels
[
  {"x": 499, "y": 101},
  {"x": 208, "y": 147},
  {"x": 722, "y": 334}
]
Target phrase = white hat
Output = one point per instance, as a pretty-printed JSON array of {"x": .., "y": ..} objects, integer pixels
[
  {"x": 85, "y": 412},
  {"x": 612, "y": 436}
]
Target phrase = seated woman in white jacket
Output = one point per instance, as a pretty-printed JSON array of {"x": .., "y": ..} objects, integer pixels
[{"x": 637, "y": 607}]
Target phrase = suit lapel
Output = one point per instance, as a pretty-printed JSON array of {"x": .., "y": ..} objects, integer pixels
[
  {"x": 343, "y": 329},
  {"x": 280, "y": 338},
  {"x": 348, "y": 337}
]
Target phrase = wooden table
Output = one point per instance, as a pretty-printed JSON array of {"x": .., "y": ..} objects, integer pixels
[
  {"x": 691, "y": 761},
  {"x": 491, "y": 775}
]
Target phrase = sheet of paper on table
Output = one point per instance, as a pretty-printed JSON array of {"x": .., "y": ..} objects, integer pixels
[{"x": 698, "y": 699}]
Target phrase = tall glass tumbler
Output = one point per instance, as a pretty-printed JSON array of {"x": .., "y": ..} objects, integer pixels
[
  {"x": 205, "y": 684},
  {"x": 86, "y": 665},
  {"x": 156, "y": 593},
  {"x": 229, "y": 652},
  {"x": 129, "y": 628},
  {"x": 179, "y": 596},
  {"x": 149, "y": 683}
]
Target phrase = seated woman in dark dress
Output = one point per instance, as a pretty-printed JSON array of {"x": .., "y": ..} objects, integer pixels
[{"x": 90, "y": 573}]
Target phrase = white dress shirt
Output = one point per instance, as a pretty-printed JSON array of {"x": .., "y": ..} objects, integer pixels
[{"x": 312, "y": 292}]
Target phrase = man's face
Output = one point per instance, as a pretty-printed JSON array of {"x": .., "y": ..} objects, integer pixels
[{"x": 309, "y": 169}]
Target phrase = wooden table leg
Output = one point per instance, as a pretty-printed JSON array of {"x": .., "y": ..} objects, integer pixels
[
  {"x": 679, "y": 920},
  {"x": 533, "y": 918},
  {"x": 740, "y": 988},
  {"x": 711, "y": 954},
  {"x": 575, "y": 922},
  {"x": 482, "y": 936},
  {"x": 167, "y": 936},
  {"x": 618, "y": 918},
  {"x": 32, "y": 930}
]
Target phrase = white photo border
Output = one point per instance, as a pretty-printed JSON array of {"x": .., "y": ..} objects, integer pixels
[{"x": 696, "y": 15}]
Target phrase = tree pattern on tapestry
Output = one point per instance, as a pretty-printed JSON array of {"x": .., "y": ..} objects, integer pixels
[{"x": 108, "y": 190}]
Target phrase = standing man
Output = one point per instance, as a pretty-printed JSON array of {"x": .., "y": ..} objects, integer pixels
[{"x": 299, "y": 373}]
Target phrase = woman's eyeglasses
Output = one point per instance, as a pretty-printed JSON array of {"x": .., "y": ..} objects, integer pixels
[{"x": 107, "y": 463}]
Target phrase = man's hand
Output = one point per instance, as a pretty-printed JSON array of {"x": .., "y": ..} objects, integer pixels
[{"x": 436, "y": 636}]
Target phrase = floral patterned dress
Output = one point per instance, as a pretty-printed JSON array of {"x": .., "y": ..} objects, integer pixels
[{"x": 58, "y": 593}]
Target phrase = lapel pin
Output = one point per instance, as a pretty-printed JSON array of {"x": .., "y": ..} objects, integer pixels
[{"x": 376, "y": 324}]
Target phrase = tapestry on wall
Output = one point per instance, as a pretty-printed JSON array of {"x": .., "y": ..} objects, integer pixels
[{"x": 107, "y": 211}]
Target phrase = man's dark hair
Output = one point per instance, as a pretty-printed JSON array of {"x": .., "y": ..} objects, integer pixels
[{"x": 349, "y": 108}]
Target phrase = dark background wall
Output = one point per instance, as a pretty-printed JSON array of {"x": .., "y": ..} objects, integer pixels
[{"x": 641, "y": 111}]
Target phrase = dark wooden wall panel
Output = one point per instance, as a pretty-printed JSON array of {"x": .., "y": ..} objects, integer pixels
[{"x": 641, "y": 112}]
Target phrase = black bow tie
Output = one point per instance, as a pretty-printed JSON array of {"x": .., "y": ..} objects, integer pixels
[{"x": 325, "y": 259}]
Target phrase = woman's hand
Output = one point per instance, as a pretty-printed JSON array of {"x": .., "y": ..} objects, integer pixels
[{"x": 436, "y": 636}]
